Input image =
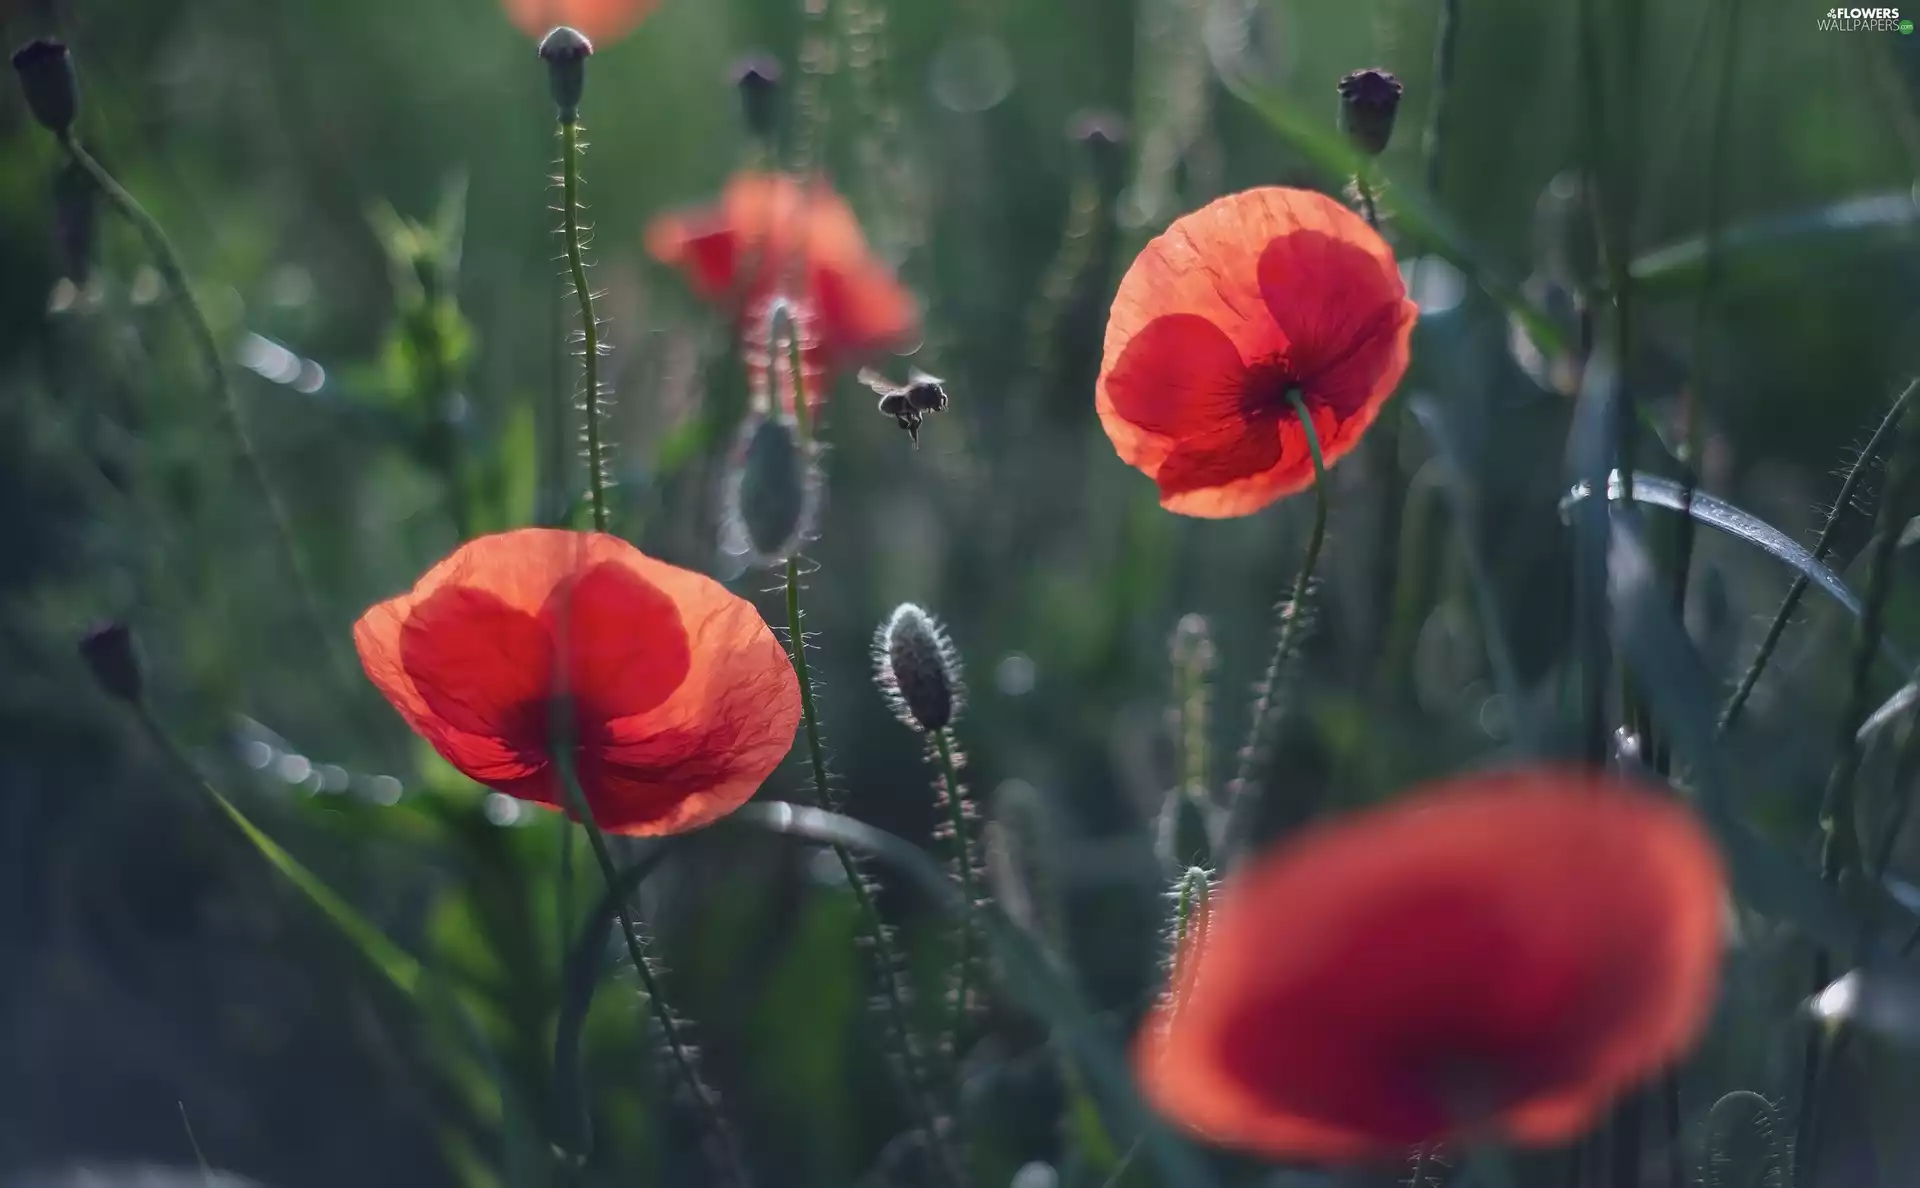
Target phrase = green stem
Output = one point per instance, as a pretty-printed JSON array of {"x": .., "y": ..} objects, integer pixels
[
  {"x": 734, "y": 1165},
  {"x": 1292, "y": 613},
  {"x": 892, "y": 986},
  {"x": 589, "y": 328},
  {"x": 1821, "y": 549},
  {"x": 1838, "y": 839},
  {"x": 963, "y": 857},
  {"x": 173, "y": 272},
  {"x": 1446, "y": 42}
]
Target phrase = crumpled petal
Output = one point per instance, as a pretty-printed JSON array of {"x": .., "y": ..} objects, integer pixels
[{"x": 626, "y": 651}]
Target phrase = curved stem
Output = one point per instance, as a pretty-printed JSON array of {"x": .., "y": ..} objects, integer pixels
[
  {"x": 963, "y": 858},
  {"x": 886, "y": 957},
  {"x": 589, "y": 328},
  {"x": 683, "y": 1059},
  {"x": 167, "y": 261},
  {"x": 1841, "y": 502},
  {"x": 1291, "y": 613}
]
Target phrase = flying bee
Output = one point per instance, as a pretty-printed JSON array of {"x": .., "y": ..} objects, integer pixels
[{"x": 909, "y": 403}]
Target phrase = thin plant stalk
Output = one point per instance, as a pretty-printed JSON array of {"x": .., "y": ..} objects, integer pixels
[
  {"x": 167, "y": 261},
  {"x": 1292, "y": 613},
  {"x": 963, "y": 852},
  {"x": 1837, "y": 829},
  {"x": 1863, "y": 462},
  {"x": 683, "y": 1059},
  {"x": 892, "y": 984},
  {"x": 589, "y": 327}
]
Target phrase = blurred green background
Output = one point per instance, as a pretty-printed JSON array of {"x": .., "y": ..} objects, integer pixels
[{"x": 153, "y": 967}]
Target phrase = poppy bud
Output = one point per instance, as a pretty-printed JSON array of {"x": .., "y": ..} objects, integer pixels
[
  {"x": 1183, "y": 836},
  {"x": 73, "y": 215},
  {"x": 1105, "y": 136},
  {"x": 773, "y": 488},
  {"x": 1368, "y": 100},
  {"x": 47, "y": 79},
  {"x": 1193, "y": 912},
  {"x": 917, "y": 668},
  {"x": 757, "y": 77},
  {"x": 566, "y": 52},
  {"x": 109, "y": 652}
]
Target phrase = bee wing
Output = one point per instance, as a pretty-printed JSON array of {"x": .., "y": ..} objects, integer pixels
[
  {"x": 917, "y": 376},
  {"x": 875, "y": 380}
]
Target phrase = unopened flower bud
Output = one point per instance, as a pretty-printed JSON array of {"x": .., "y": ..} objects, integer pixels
[
  {"x": 1193, "y": 915},
  {"x": 757, "y": 77},
  {"x": 109, "y": 653},
  {"x": 1368, "y": 100},
  {"x": 917, "y": 668},
  {"x": 773, "y": 489},
  {"x": 1104, "y": 134},
  {"x": 566, "y": 52},
  {"x": 48, "y": 81},
  {"x": 1184, "y": 832}
]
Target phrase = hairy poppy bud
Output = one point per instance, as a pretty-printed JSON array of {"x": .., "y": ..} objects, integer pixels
[
  {"x": 1192, "y": 896},
  {"x": 109, "y": 652},
  {"x": 757, "y": 77},
  {"x": 566, "y": 52},
  {"x": 47, "y": 79},
  {"x": 773, "y": 489},
  {"x": 917, "y": 668},
  {"x": 1368, "y": 100}
]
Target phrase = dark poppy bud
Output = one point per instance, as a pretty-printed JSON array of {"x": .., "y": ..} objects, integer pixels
[
  {"x": 109, "y": 652},
  {"x": 917, "y": 668},
  {"x": 772, "y": 489},
  {"x": 1183, "y": 835},
  {"x": 566, "y": 52},
  {"x": 757, "y": 77},
  {"x": 74, "y": 208},
  {"x": 47, "y": 79},
  {"x": 1105, "y": 136},
  {"x": 1368, "y": 100}
]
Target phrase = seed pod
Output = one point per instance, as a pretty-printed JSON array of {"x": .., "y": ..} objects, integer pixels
[
  {"x": 1368, "y": 101},
  {"x": 773, "y": 489},
  {"x": 48, "y": 81},
  {"x": 916, "y": 667},
  {"x": 109, "y": 652},
  {"x": 566, "y": 52},
  {"x": 757, "y": 78}
]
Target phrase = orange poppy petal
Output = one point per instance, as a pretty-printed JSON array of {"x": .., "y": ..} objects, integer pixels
[
  {"x": 1291, "y": 474},
  {"x": 600, "y": 20},
  {"x": 377, "y": 638},
  {"x": 702, "y": 247},
  {"x": 1180, "y": 375},
  {"x": 626, "y": 649},
  {"x": 1466, "y": 961},
  {"x": 863, "y": 310},
  {"x": 1231, "y": 453}
]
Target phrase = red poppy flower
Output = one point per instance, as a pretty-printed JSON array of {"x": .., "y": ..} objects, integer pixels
[
  {"x": 682, "y": 701},
  {"x": 1497, "y": 957},
  {"x": 773, "y": 235},
  {"x": 1234, "y": 305},
  {"x": 600, "y": 20}
]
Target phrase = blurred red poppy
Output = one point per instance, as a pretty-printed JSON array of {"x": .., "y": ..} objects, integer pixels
[
  {"x": 1494, "y": 958},
  {"x": 682, "y": 702},
  {"x": 773, "y": 235},
  {"x": 1223, "y": 314},
  {"x": 600, "y": 20}
]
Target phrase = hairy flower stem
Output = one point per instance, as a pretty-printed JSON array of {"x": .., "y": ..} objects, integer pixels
[
  {"x": 727, "y": 1147},
  {"x": 1821, "y": 549},
  {"x": 963, "y": 857},
  {"x": 589, "y": 328},
  {"x": 886, "y": 958},
  {"x": 167, "y": 261},
  {"x": 1838, "y": 833},
  {"x": 1292, "y": 613}
]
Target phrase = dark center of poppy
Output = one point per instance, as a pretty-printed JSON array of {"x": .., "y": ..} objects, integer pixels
[{"x": 1272, "y": 386}]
